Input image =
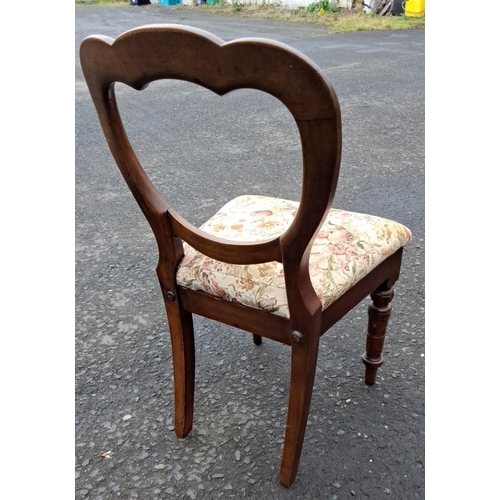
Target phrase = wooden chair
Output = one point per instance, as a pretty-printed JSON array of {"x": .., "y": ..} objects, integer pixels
[{"x": 283, "y": 270}]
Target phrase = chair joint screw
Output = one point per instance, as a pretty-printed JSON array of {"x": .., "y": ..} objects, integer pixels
[
  {"x": 170, "y": 295},
  {"x": 297, "y": 337}
]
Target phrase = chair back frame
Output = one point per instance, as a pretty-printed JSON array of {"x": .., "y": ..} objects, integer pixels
[{"x": 143, "y": 55}]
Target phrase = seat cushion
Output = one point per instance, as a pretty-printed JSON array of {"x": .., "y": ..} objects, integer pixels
[{"x": 348, "y": 246}]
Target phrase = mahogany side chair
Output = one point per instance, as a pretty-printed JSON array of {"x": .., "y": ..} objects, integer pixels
[{"x": 276, "y": 268}]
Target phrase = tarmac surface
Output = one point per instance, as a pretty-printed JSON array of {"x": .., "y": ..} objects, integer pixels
[{"x": 202, "y": 150}]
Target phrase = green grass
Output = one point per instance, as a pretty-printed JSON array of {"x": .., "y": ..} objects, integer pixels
[
  {"x": 343, "y": 21},
  {"x": 340, "y": 22},
  {"x": 103, "y": 3}
]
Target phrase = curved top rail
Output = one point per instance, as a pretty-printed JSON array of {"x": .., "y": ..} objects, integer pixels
[{"x": 143, "y": 55}]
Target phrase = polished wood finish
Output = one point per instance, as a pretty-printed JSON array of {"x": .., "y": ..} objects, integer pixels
[
  {"x": 379, "y": 312},
  {"x": 255, "y": 321},
  {"x": 387, "y": 271},
  {"x": 150, "y": 53}
]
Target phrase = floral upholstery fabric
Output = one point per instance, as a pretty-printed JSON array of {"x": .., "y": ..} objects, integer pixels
[{"x": 348, "y": 246}]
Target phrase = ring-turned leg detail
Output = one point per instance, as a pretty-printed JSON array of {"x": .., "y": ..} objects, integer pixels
[{"x": 379, "y": 312}]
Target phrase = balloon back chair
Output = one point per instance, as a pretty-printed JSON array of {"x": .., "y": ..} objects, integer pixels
[{"x": 279, "y": 269}]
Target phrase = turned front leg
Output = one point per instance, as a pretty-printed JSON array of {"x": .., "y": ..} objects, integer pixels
[{"x": 379, "y": 312}]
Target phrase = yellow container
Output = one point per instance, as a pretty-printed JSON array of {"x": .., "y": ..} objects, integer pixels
[{"x": 414, "y": 8}]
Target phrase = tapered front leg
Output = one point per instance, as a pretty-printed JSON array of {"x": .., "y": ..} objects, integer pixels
[
  {"x": 379, "y": 312},
  {"x": 180, "y": 324},
  {"x": 304, "y": 358},
  {"x": 257, "y": 339}
]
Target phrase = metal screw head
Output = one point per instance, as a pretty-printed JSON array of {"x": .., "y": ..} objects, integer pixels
[
  {"x": 297, "y": 337},
  {"x": 170, "y": 295}
]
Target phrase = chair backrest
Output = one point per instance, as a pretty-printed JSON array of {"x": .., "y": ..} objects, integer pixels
[{"x": 155, "y": 52}]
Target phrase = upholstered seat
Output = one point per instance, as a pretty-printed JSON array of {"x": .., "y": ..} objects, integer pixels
[{"x": 348, "y": 246}]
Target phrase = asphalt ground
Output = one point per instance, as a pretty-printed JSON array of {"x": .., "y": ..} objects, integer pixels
[{"x": 202, "y": 150}]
